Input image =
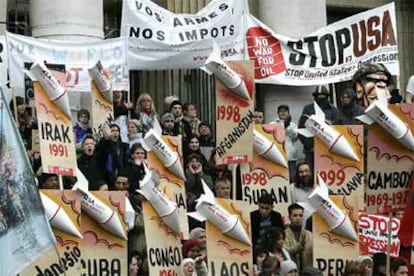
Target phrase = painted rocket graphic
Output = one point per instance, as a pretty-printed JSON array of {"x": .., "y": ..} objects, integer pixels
[
  {"x": 97, "y": 210},
  {"x": 57, "y": 216},
  {"x": 335, "y": 141},
  {"x": 165, "y": 208},
  {"x": 53, "y": 89},
  {"x": 229, "y": 224},
  {"x": 267, "y": 149},
  {"x": 319, "y": 201},
  {"x": 227, "y": 76},
  {"x": 102, "y": 82},
  {"x": 169, "y": 158},
  {"x": 378, "y": 112}
]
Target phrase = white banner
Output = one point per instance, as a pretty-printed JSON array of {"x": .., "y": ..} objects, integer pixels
[
  {"x": 75, "y": 56},
  {"x": 3, "y": 69},
  {"x": 331, "y": 54},
  {"x": 160, "y": 39}
]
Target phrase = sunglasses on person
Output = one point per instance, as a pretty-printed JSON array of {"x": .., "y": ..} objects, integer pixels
[{"x": 377, "y": 80}]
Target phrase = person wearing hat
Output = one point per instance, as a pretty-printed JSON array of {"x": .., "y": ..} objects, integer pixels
[
  {"x": 191, "y": 249},
  {"x": 168, "y": 124},
  {"x": 348, "y": 107},
  {"x": 283, "y": 112},
  {"x": 176, "y": 109},
  {"x": 371, "y": 81},
  {"x": 321, "y": 97},
  {"x": 81, "y": 128},
  {"x": 288, "y": 268}
]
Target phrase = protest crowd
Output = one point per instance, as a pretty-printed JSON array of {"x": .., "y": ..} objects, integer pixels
[
  {"x": 115, "y": 162},
  {"x": 162, "y": 186}
]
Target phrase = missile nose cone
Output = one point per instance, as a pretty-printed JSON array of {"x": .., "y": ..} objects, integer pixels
[
  {"x": 114, "y": 226},
  {"x": 346, "y": 229},
  {"x": 172, "y": 221},
  {"x": 62, "y": 221},
  {"x": 239, "y": 233},
  {"x": 241, "y": 90},
  {"x": 342, "y": 147},
  {"x": 276, "y": 156},
  {"x": 177, "y": 169}
]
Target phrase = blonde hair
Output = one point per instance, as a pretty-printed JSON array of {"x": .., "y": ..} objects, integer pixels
[{"x": 139, "y": 107}]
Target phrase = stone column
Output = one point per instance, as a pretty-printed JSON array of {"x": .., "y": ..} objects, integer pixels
[{"x": 67, "y": 20}]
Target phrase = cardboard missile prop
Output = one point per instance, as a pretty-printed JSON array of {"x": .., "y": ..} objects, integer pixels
[
  {"x": 334, "y": 140},
  {"x": 266, "y": 148},
  {"x": 165, "y": 208},
  {"x": 378, "y": 112},
  {"x": 58, "y": 217},
  {"x": 225, "y": 74},
  {"x": 97, "y": 210},
  {"x": 229, "y": 224},
  {"x": 319, "y": 201},
  {"x": 169, "y": 158},
  {"x": 103, "y": 83},
  {"x": 57, "y": 94}
]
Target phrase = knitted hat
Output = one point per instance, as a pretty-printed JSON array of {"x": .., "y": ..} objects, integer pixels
[
  {"x": 320, "y": 90},
  {"x": 188, "y": 244},
  {"x": 311, "y": 271},
  {"x": 287, "y": 266},
  {"x": 167, "y": 116},
  {"x": 197, "y": 232}
]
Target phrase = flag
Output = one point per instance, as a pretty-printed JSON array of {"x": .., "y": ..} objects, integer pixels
[{"x": 25, "y": 232}]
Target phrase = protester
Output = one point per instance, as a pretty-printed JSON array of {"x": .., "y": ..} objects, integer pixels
[
  {"x": 176, "y": 108},
  {"x": 145, "y": 110},
  {"x": 380, "y": 264},
  {"x": 168, "y": 124},
  {"x": 258, "y": 116},
  {"x": 222, "y": 188},
  {"x": 299, "y": 241},
  {"x": 134, "y": 132},
  {"x": 81, "y": 128},
  {"x": 349, "y": 108},
  {"x": 321, "y": 97},
  {"x": 135, "y": 166},
  {"x": 354, "y": 268},
  {"x": 190, "y": 120},
  {"x": 134, "y": 263},
  {"x": 121, "y": 105},
  {"x": 26, "y": 123},
  {"x": 399, "y": 267},
  {"x": 291, "y": 136},
  {"x": 191, "y": 249},
  {"x": 288, "y": 268}
]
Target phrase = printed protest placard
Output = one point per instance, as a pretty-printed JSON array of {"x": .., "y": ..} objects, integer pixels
[
  {"x": 57, "y": 144},
  {"x": 163, "y": 244},
  {"x": 234, "y": 117},
  {"x": 112, "y": 256},
  {"x": 171, "y": 184},
  {"x": 373, "y": 234},
  {"x": 65, "y": 211},
  {"x": 390, "y": 164},
  {"x": 268, "y": 172},
  {"x": 226, "y": 255},
  {"x": 331, "y": 251},
  {"x": 343, "y": 175}
]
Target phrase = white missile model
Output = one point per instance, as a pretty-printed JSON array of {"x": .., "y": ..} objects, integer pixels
[
  {"x": 227, "y": 76},
  {"x": 267, "y": 149},
  {"x": 378, "y": 112},
  {"x": 57, "y": 216},
  {"x": 335, "y": 141},
  {"x": 97, "y": 210},
  {"x": 165, "y": 208},
  {"x": 53, "y": 89},
  {"x": 153, "y": 142},
  {"x": 229, "y": 224},
  {"x": 102, "y": 82},
  {"x": 319, "y": 201}
]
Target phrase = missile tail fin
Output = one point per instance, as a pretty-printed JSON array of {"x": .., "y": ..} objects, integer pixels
[
  {"x": 365, "y": 119},
  {"x": 308, "y": 207},
  {"x": 197, "y": 216},
  {"x": 305, "y": 132},
  {"x": 318, "y": 111},
  {"x": 82, "y": 184}
]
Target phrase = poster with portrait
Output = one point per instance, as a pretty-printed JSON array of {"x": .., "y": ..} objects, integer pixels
[
  {"x": 331, "y": 247},
  {"x": 268, "y": 171},
  {"x": 64, "y": 211},
  {"x": 104, "y": 252},
  {"x": 390, "y": 163},
  {"x": 342, "y": 174},
  {"x": 234, "y": 115},
  {"x": 227, "y": 255}
]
